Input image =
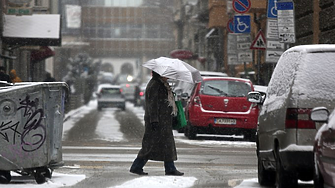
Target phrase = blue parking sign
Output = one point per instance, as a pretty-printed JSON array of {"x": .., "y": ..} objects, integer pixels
[
  {"x": 272, "y": 8},
  {"x": 242, "y": 24}
]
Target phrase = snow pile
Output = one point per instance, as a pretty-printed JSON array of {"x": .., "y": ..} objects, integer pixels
[
  {"x": 57, "y": 180},
  {"x": 159, "y": 181}
]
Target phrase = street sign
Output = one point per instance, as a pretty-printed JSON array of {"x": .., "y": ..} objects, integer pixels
[
  {"x": 19, "y": 7},
  {"x": 272, "y": 29},
  {"x": 271, "y": 44},
  {"x": 230, "y": 25},
  {"x": 272, "y": 56},
  {"x": 285, "y": 18},
  {"x": 272, "y": 9},
  {"x": 245, "y": 56},
  {"x": 232, "y": 59},
  {"x": 231, "y": 44},
  {"x": 242, "y": 24},
  {"x": 259, "y": 42},
  {"x": 241, "y": 6},
  {"x": 243, "y": 46}
]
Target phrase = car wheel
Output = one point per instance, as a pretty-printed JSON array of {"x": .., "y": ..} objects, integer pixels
[
  {"x": 265, "y": 177},
  {"x": 284, "y": 178},
  {"x": 181, "y": 130},
  {"x": 250, "y": 135},
  {"x": 5, "y": 177},
  {"x": 191, "y": 132},
  {"x": 318, "y": 179}
]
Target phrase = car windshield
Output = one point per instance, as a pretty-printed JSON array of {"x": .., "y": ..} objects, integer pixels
[{"x": 225, "y": 88}]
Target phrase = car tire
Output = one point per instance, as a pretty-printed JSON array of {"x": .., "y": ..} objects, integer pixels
[
  {"x": 181, "y": 130},
  {"x": 5, "y": 177},
  {"x": 284, "y": 178},
  {"x": 265, "y": 177},
  {"x": 317, "y": 176},
  {"x": 191, "y": 132},
  {"x": 250, "y": 135}
]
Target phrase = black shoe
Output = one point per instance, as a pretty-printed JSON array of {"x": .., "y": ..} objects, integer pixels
[
  {"x": 174, "y": 173},
  {"x": 138, "y": 171}
]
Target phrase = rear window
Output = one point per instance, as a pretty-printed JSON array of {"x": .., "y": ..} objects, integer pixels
[
  {"x": 227, "y": 88},
  {"x": 315, "y": 76},
  {"x": 110, "y": 91}
]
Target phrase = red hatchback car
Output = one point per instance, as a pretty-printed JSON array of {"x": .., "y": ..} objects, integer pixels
[{"x": 219, "y": 105}]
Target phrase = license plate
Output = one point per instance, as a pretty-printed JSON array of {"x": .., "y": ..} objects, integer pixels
[{"x": 225, "y": 121}]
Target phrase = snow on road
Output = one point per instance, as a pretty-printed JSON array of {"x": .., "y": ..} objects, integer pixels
[{"x": 106, "y": 133}]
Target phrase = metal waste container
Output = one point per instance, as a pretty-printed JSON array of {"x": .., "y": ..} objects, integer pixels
[{"x": 31, "y": 115}]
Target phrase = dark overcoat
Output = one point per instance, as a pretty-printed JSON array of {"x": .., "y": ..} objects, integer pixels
[{"x": 157, "y": 144}]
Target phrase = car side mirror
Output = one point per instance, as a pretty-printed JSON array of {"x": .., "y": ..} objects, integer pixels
[
  {"x": 255, "y": 97},
  {"x": 320, "y": 114},
  {"x": 98, "y": 94}
]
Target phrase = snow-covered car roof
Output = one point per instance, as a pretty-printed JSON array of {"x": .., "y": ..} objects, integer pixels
[
  {"x": 313, "y": 48},
  {"x": 212, "y": 73},
  {"x": 108, "y": 86},
  {"x": 260, "y": 88}
]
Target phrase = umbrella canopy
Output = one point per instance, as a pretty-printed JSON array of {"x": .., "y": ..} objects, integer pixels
[{"x": 174, "y": 69}]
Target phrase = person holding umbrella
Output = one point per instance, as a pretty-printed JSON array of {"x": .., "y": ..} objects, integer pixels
[{"x": 158, "y": 142}]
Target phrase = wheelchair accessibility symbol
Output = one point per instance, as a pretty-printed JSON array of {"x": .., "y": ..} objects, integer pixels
[
  {"x": 272, "y": 8},
  {"x": 242, "y": 24}
]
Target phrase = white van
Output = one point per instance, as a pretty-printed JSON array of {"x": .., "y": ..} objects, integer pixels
[{"x": 304, "y": 78}]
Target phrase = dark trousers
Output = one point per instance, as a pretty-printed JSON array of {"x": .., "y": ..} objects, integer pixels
[{"x": 139, "y": 164}]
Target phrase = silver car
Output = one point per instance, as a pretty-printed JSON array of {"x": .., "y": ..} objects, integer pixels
[
  {"x": 303, "y": 79},
  {"x": 110, "y": 96}
]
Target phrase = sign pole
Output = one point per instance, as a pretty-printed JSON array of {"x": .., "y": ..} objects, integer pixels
[{"x": 245, "y": 70}]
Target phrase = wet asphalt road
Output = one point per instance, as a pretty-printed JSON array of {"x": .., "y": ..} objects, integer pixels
[{"x": 106, "y": 164}]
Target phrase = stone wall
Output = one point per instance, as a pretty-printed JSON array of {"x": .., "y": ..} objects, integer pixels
[
  {"x": 327, "y": 22},
  {"x": 323, "y": 15}
]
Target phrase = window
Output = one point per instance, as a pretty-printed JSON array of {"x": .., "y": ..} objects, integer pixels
[{"x": 225, "y": 88}]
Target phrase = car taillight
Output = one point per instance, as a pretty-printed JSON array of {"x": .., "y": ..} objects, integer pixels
[
  {"x": 141, "y": 93},
  {"x": 127, "y": 85},
  {"x": 196, "y": 100},
  {"x": 299, "y": 118},
  {"x": 121, "y": 90}
]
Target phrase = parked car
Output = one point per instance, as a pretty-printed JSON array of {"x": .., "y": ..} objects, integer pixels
[
  {"x": 324, "y": 144},
  {"x": 110, "y": 96},
  {"x": 303, "y": 79},
  {"x": 218, "y": 105},
  {"x": 127, "y": 83},
  {"x": 139, "y": 99},
  {"x": 184, "y": 89}
]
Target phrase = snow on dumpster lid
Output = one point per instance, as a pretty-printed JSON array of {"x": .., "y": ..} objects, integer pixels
[{"x": 11, "y": 86}]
